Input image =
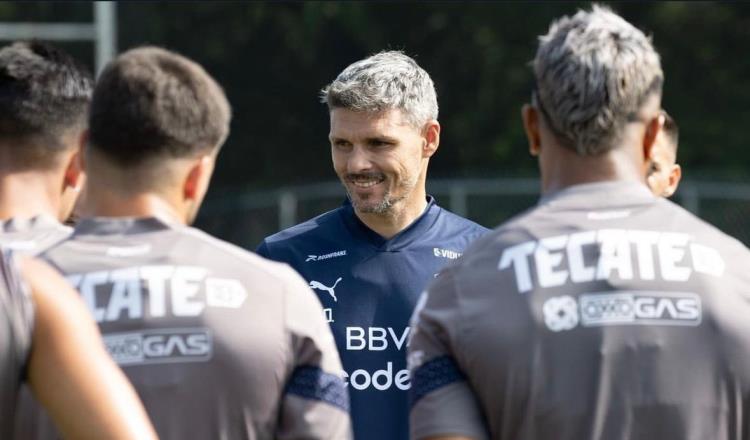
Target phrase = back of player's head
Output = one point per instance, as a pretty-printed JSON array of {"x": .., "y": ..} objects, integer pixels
[
  {"x": 44, "y": 93},
  {"x": 671, "y": 131},
  {"x": 150, "y": 103},
  {"x": 593, "y": 72},
  {"x": 385, "y": 81}
]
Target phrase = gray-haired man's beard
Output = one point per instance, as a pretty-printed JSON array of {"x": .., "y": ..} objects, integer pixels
[
  {"x": 386, "y": 204},
  {"x": 383, "y": 207}
]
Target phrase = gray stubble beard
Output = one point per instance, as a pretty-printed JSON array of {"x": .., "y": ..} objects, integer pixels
[{"x": 386, "y": 205}]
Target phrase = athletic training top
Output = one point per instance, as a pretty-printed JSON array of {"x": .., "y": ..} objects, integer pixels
[
  {"x": 368, "y": 287},
  {"x": 602, "y": 313},
  {"x": 16, "y": 328},
  {"x": 219, "y": 343},
  {"x": 32, "y": 236}
]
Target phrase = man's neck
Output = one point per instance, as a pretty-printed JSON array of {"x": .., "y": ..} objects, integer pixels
[
  {"x": 403, "y": 214},
  {"x": 26, "y": 195},
  {"x": 107, "y": 203},
  {"x": 567, "y": 169}
]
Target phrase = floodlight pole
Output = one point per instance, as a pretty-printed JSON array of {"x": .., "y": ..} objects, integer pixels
[
  {"x": 105, "y": 21},
  {"x": 103, "y": 32}
]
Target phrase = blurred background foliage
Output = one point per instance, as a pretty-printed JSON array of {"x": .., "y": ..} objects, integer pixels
[{"x": 273, "y": 58}]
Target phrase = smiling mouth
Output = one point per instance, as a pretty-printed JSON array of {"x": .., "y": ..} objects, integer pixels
[{"x": 365, "y": 181}]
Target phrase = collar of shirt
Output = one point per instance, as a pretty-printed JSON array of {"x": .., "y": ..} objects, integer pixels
[
  {"x": 414, "y": 231},
  {"x": 600, "y": 194},
  {"x": 42, "y": 221},
  {"x": 122, "y": 225}
]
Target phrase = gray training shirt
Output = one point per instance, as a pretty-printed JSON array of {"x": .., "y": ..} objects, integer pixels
[
  {"x": 16, "y": 328},
  {"x": 218, "y": 342},
  {"x": 602, "y": 313},
  {"x": 32, "y": 236}
]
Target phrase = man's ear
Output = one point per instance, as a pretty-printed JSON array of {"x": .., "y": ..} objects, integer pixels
[
  {"x": 198, "y": 178},
  {"x": 74, "y": 170},
  {"x": 653, "y": 127},
  {"x": 432, "y": 138},
  {"x": 674, "y": 180},
  {"x": 530, "y": 118}
]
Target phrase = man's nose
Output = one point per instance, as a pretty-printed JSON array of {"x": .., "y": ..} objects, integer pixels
[{"x": 359, "y": 160}]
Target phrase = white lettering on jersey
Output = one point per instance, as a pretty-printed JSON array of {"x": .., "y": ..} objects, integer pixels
[
  {"x": 614, "y": 255},
  {"x": 560, "y": 259},
  {"x": 622, "y": 308},
  {"x": 226, "y": 293},
  {"x": 547, "y": 259},
  {"x": 579, "y": 273},
  {"x": 183, "y": 291},
  {"x": 381, "y": 380},
  {"x": 126, "y": 295},
  {"x": 326, "y": 256},
  {"x": 446, "y": 253},
  {"x": 185, "y": 285},
  {"x": 129, "y": 251},
  {"x": 706, "y": 260},
  {"x": 671, "y": 251},
  {"x": 607, "y": 215},
  {"x": 156, "y": 280},
  {"x": 375, "y": 338},
  {"x": 160, "y": 346},
  {"x": 516, "y": 256}
]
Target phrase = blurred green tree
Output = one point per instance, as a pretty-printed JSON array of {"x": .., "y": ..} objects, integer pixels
[{"x": 273, "y": 58}]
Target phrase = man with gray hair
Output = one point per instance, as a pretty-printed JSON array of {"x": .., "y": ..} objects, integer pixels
[
  {"x": 371, "y": 258},
  {"x": 605, "y": 312}
]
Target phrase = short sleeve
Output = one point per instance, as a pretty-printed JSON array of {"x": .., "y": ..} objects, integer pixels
[
  {"x": 19, "y": 307},
  {"x": 316, "y": 402},
  {"x": 442, "y": 402}
]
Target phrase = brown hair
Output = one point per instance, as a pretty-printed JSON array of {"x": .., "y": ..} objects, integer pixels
[
  {"x": 150, "y": 102},
  {"x": 44, "y": 93}
]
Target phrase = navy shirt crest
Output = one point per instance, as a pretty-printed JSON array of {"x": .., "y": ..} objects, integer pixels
[{"x": 369, "y": 286}]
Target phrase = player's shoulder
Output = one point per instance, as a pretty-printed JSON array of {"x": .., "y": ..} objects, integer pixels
[
  {"x": 322, "y": 226},
  {"x": 456, "y": 224},
  {"x": 701, "y": 230},
  {"x": 230, "y": 255},
  {"x": 32, "y": 236},
  {"x": 518, "y": 229}
]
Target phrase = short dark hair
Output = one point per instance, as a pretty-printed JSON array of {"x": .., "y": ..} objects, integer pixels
[
  {"x": 150, "y": 102},
  {"x": 43, "y": 93},
  {"x": 671, "y": 130}
]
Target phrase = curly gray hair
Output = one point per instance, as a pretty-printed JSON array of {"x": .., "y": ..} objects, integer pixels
[
  {"x": 384, "y": 81},
  {"x": 593, "y": 72}
]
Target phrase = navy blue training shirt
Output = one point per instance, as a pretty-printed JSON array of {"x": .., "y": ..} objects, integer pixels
[{"x": 369, "y": 287}]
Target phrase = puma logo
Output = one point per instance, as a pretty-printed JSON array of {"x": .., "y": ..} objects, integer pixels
[{"x": 319, "y": 286}]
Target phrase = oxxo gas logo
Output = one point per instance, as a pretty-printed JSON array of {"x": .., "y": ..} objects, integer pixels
[
  {"x": 622, "y": 308},
  {"x": 160, "y": 346},
  {"x": 560, "y": 313}
]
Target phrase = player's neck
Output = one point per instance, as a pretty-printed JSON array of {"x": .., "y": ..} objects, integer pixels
[
  {"x": 401, "y": 215},
  {"x": 26, "y": 195},
  {"x": 565, "y": 168},
  {"x": 104, "y": 202}
]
